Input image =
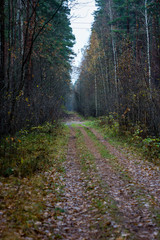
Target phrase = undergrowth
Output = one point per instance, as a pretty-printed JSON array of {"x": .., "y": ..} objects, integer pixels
[
  {"x": 28, "y": 152},
  {"x": 24, "y": 201},
  {"x": 108, "y": 156},
  {"x": 133, "y": 136}
]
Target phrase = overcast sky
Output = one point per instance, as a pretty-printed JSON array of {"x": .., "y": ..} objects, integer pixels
[{"x": 81, "y": 21}]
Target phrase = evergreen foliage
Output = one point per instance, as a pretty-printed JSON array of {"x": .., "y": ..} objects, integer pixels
[
  {"x": 121, "y": 65},
  {"x": 36, "y": 42}
]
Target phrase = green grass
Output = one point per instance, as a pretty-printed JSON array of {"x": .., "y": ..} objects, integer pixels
[
  {"x": 129, "y": 142},
  {"x": 108, "y": 156},
  {"x": 105, "y": 204},
  {"x": 77, "y": 125},
  {"x": 24, "y": 198},
  {"x": 140, "y": 196},
  {"x": 101, "y": 148},
  {"x": 28, "y": 153},
  {"x": 89, "y": 123},
  {"x": 86, "y": 123},
  {"x": 86, "y": 158}
]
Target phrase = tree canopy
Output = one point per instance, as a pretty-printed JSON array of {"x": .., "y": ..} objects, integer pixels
[
  {"x": 120, "y": 72},
  {"x": 36, "y": 52}
]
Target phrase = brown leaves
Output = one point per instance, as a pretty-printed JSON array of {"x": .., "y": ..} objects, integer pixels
[{"x": 83, "y": 197}]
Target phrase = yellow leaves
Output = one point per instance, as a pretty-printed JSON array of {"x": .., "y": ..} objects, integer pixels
[
  {"x": 14, "y": 55},
  {"x": 8, "y": 95},
  {"x": 123, "y": 237},
  {"x": 49, "y": 26},
  {"x": 42, "y": 21},
  {"x": 27, "y": 100},
  {"x": 21, "y": 93},
  {"x": 13, "y": 139},
  {"x": 126, "y": 111}
]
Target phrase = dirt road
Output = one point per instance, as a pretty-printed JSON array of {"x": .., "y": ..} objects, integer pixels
[
  {"x": 126, "y": 189},
  {"x": 92, "y": 191}
]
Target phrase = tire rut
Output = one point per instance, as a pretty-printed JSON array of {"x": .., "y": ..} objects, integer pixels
[
  {"x": 143, "y": 173},
  {"x": 76, "y": 219},
  {"x": 137, "y": 218}
]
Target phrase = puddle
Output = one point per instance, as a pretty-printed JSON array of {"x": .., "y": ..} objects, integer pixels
[{"x": 74, "y": 122}]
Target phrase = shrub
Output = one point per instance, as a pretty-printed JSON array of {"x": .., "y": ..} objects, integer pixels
[
  {"x": 151, "y": 147},
  {"x": 27, "y": 153}
]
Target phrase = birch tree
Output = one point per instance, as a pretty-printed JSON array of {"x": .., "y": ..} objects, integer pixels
[
  {"x": 148, "y": 48},
  {"x": 128, "y": 50},
  {"x": 113, "y": 48}
]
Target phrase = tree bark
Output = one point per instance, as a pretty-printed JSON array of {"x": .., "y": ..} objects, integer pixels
[
  {"x": 148, "y": 49},
  {"x": 114, "y": 51},
  {"x": 2, "y": 55}
]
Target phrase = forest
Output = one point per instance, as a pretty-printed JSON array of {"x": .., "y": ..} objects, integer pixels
[
  {"x": 35, "y": 62},
  {"x": 119, "y": 73},
  {"x": 120, "y": 70},
  {"x": 94, "y": 173}
]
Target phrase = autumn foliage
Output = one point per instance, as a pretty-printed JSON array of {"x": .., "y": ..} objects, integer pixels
[
  {"x": 36, "y": 41},
  {"x": 120, "y": 71}
]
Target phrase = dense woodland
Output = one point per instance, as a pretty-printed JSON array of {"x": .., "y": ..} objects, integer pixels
[
  {"x": 35, "y": 62},
  {"x": 120, "y": 71}
]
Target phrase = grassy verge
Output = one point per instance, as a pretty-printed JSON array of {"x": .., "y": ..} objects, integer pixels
[
  {"x": 24, "y": 200},
  {"x": 109, "y": 157},
  {"x": 139, "y": 194},
  {"x": 28, "y": 153},
  {"x": 146, "y": 148}
]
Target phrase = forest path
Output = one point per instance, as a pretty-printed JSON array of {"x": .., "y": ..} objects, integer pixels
[
  {"x": 75, "y": 223},
  {"x": 131, "y": 185},
  {"x": 92, "y": 191}
]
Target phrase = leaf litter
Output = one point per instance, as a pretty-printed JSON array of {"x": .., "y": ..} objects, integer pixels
[
  {"x": 139, "y": 199},
  {"x": 84, "y": 196}
]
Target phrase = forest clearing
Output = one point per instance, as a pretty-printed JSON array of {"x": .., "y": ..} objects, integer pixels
[{"x": 89, "y": 187}]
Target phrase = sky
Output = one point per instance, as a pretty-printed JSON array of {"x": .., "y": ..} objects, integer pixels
[{"x": 81, "y": 22}]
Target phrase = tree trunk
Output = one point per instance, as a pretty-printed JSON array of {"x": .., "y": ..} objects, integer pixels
[
  {"x": 128, "y": 20},
  {"x": 2, "y": 43},
  {"x": 96, "y": 97},
  {"x": 114, "y": 51},
  {"x": 148, "y": 49}
]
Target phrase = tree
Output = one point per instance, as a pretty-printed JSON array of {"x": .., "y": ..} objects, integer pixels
[
  {"x": 38, "y": 41},
  {"x": 126, "y": 63},
  {"x": 2, "y": 43}
]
